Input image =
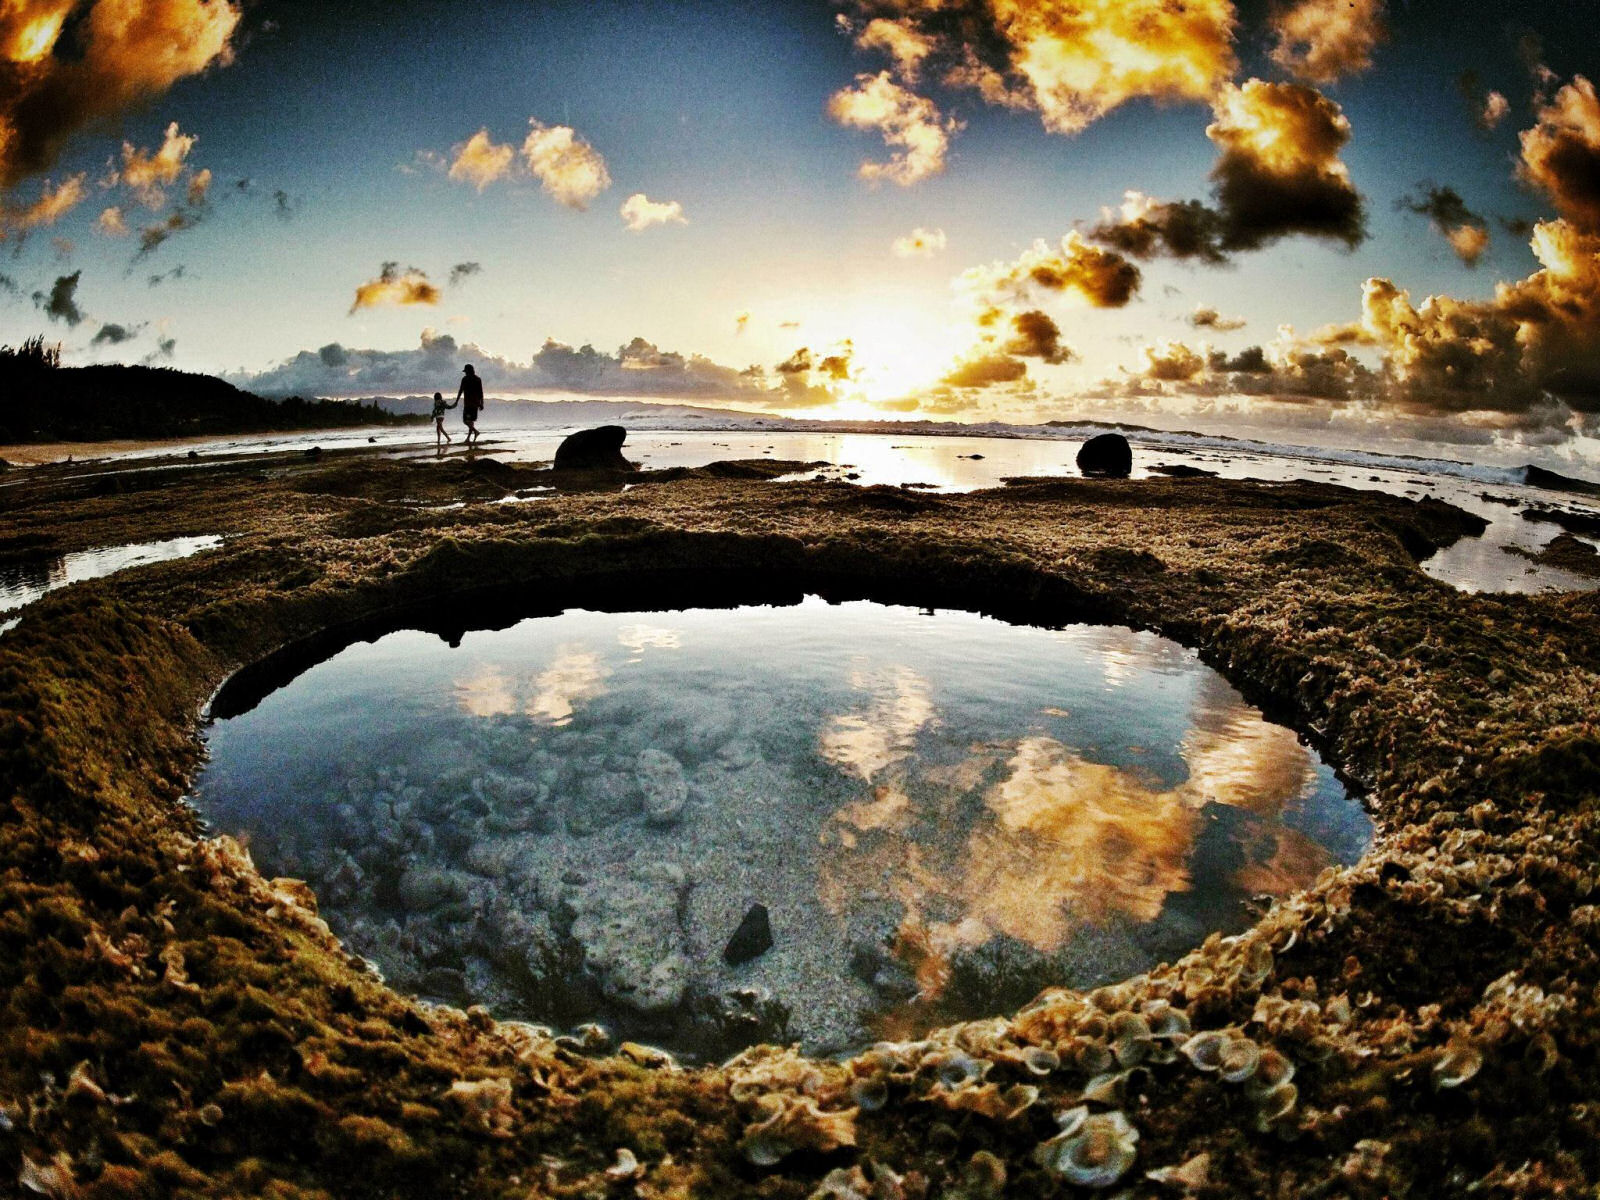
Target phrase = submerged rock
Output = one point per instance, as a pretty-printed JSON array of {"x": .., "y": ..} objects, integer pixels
[
  {"x": 632, "y": 937},
  {"x": 665, "y": 789},
  {"x": 1107, "y": 454},
  {"x": 751, "y": 940},
  {"x": 598, "y": 449}
]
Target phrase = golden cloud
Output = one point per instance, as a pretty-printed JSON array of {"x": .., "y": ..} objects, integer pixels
[
  {"x": 986, "y": 370},
  {"x": 126, "y": 51},
  {"x": 1082, "y": 58},
  {"x": 1100, "y": 278},
  {"x": 1279, "y": 170},
  {"x": 567, "y": 167},
  {"x": 1206, "y": 317},
  {"x": 148, "y": 172},
  {"x": 111, "y": 222},
  {"x": 394, "y": 286},
  {"x": 639, "y": 212},
  {"x": 910, "y": 124},
  {"x": 54, "y": 202},
  {"x": 199, "y": 187},
  {"x": 1322, "y": 41},
  {"x": 900, "y": 40},
  {"x": 1036, "y": 335},
  {"x": 1561, "y": 153},
  {"x": 919, "y": 243},
  {"x": 479, "y": 160}
]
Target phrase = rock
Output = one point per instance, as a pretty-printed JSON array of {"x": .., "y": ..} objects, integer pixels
[
  {"x": 598, "y": 449},
  {"x": 424, "y": 889},
  {"x": 1107, "y": 454},
  {"x": 603, "y": 799},
  {"x": 751, "y": 940},
  {"x": 665, "y": 789},
  {"x": 1182, "y": 471},
  {"x": 632, "y": 938},
  {"x": 314, "y": 452}
]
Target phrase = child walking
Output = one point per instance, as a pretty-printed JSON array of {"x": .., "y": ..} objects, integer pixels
[{"x": 439, "y": 406}]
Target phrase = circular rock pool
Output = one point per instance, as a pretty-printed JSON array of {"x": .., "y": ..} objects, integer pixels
[{"x": 824, "y": 823}]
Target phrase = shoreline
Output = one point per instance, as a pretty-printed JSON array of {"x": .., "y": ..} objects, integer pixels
[{"x": 1435, "y": 1000}]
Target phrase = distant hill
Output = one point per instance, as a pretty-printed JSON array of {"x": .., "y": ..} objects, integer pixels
[{"x": 40, "y": 402}]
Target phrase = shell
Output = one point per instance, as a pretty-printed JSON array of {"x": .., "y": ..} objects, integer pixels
[
  {"x": 1096, "y": 1152},
  {"x": 1204, "y": 1050},
  {"x": 1238, "y": 1060},
  {"x": 1272, "y": 1071},
  {"x": 984, "y": 1177},
  {"x": 1276, "y": 1105},
  {"x": 793, "y": 1123},
  {"x": 1460, "y": 1061},
  {"x": 870, "y": 1092},
  {"x": 1167, "y": 1023},
  {"x": 1040, "y": 1060},
  {"x": 627, "y": 1166},
  {"x": 955, "y": 1069}
]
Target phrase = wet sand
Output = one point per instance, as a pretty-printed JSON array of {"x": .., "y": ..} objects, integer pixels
[{"x": 1419, "y": 1023}]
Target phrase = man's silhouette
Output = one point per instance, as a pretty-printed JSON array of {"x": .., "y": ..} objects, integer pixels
[{"x": 470, "y": 393}]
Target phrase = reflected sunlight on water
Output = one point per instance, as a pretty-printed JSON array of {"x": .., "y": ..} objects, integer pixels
[{"x": 942, "y": 813}]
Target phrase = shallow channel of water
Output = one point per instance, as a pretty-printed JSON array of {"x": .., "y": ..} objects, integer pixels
[{"x": 941, "y": 813}]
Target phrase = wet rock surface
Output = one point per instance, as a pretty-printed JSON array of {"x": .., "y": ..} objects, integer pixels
[
  {"x": 176, "y": 1024},
  {"x": 1107, "y": 454}
]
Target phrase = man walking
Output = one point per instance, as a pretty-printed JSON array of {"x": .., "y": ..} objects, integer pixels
[{"x": 470, "y": 393}]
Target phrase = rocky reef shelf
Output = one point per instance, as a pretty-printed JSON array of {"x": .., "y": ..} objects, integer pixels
[{"x": 1418, "y": 1023}]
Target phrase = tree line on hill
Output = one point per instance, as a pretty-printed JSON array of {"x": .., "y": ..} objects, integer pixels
[{"x": 42, "y": 401}]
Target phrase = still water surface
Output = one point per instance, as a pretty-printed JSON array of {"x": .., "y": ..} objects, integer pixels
[{"x": 942, "y": 813}]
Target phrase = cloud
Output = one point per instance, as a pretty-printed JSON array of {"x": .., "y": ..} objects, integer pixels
[
  {"x": 1465, "y": 230},
  {"x": 61, "y": 302},
  {"x": 284, "y": 206},
  {"x": 986, "y": 370},
  {"x": 176, "y": 272},
  {"x": 113, "y": 334},
  {"x": 199, "y": 187},
  {"x": 1036, "y": 335},
  {"x": 162, "y": 353},
  {"x": 463, "y": 271},
  {"x": 911, "y": 126},
  {"x": 147, "y": 173},
  {"x": 1206, "y": 317},
  {"x": 638, "y": 368},
  {"x": 1081, "y": 61},
  {"x": 741, "y": 322},
  {"x": 566, "y": 166},
  {"x": 919, "y": 243},
  {"x": 1146, "y": 228},
  {"x": 1561, "y": 153},
  {"x": 639, "y": 212},
  {"x": 900, "y": 39},
  {"x": 394, "y": 286},
  {"x": 122, "y": 53},
  {"x": 54, "y": 202},
  {"x": 1287, "y": 372},
  {"x": 153, "y": 236},
  {"x": 1487, "y": 109},
  {"x": 479, "y": 160},
  {"x": 1101, "y": 278},
  {"x": 1279, "y": 171},
  {"x": 1322, "y": 41},
  {"x": 9, "y": 285}
]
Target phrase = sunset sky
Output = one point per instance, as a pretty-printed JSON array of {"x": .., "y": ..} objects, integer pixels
[{"x": 1338, "y": 217}]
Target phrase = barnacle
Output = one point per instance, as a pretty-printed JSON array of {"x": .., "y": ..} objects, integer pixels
[
  {"x": 1238, "y": 1060},
  {"x": 1460, "y": 1061},
  {"x": 793, "y": 1123},
  {"x": 1092, "y": 1150},
  {"x": 1204, "y": 1050}
]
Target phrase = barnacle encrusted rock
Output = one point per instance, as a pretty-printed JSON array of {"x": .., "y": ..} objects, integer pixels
[{"x": 1421, "y": 1023}]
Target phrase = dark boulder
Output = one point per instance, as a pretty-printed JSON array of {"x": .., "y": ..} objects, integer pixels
[
  {"x": 1107, "y": 454},
  {"x": 752, "y": 939},
  {"x": 598, "y": 449}
]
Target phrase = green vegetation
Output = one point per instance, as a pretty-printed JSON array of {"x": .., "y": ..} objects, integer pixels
[{"x": 46, "y": 402}]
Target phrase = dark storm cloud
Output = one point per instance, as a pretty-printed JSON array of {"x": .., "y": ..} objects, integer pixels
[
  {"x": 60, "y": 303},
  {"x": 1465, "y": 230},
  {"x": 1561, "y": 153},
  {"x": 114, "y": 334},
  {"x": 1036, "y": 335}
]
